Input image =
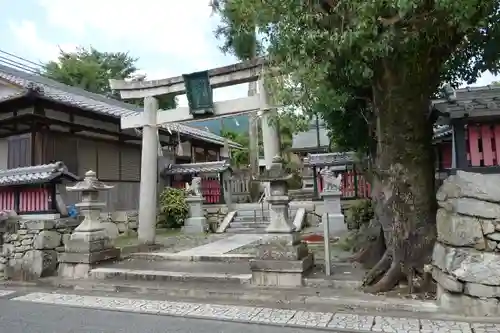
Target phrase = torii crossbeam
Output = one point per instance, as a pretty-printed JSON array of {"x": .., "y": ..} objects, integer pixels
[{"x": 152, "y": 118}]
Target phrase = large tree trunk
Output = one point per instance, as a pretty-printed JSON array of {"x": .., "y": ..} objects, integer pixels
[{"x": 405, "y": 200}]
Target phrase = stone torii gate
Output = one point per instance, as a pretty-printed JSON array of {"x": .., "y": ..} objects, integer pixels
[{"x": 152, "y": 118}]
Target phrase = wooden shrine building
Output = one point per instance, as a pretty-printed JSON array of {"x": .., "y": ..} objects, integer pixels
[{"x": 42, "y": 121}]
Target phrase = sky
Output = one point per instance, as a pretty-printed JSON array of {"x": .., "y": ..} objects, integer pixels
[{"x": 170, "y": 37}]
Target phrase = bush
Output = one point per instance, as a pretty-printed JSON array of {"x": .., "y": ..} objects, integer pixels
[
  {"x": 359, "y": 213},
  {"x": 173, "y": 208}
]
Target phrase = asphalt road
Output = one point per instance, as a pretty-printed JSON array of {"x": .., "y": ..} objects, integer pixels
[{"x": 23, "y": 317}]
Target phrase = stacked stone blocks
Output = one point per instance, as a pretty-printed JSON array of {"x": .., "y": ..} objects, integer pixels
[
  {"x": 466, "y": 258},
  {"x": 31, "y": 250}
]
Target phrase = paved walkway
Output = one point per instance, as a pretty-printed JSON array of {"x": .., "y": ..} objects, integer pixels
[
  {"x": 338, "y": 322},
  {"x": 26, "y": 317},
  {"x": 221, "y": 246}
]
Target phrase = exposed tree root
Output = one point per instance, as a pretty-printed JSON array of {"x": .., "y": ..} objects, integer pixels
[
  {"x": 371, "y": 244},
  {"x": 378, "y": 270},
  {"x": 360, "y": 255},
  {"x": 388, "y": 281}
]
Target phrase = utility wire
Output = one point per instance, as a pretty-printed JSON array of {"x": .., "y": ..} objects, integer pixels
[{"x": 31, "y": 67}]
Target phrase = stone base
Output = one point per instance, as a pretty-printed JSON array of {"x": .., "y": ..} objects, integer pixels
[
  {"x": 81, "y": 254},
  {"x": 282, "y": 273},
  {"x": 282, "y": 261},
  {"x": 89, "y": 257},
  {"x": 195, "y": 225},
  {"x": 74, "y": 271},
  {"x": 336, "y": 223}
]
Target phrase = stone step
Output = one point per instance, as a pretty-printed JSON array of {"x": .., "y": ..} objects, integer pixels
[
  {"x": 160, "y": 271},
  {"x": 250, "y": 219},
  {"x": 162, "y": 256},
  {"x": 245, "y": 224},
  {"x": 252, "y": 213},
  {"x": 246, "y": 230},
  {"x": 260, "y": 212}
]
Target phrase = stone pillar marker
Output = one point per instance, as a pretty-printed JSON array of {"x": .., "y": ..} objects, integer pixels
[
  {"x": 89, "y": 243},
  {"x": 282, "y": 258},
  {"x": 196, "y": 222},
  {"x": 332, "y": 215}
]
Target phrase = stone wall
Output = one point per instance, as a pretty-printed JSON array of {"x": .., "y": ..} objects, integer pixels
[
  {"x": 119, "y": 223},
  {"x": 30, "y": 251},
  {"x": 466, "y": 258}
]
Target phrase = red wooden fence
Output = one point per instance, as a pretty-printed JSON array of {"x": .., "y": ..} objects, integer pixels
[
  {"x": 210, "y": 189},
  {"x": 353, "y": 185},
  {"x": 30, "y": 200},
  {"x": 483, "y": 143}
]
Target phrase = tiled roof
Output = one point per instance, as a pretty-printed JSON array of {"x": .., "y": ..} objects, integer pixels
[
  {"x": 88, "y": 101},
  {"x": 330, "y": 159},
  {"x": 35, "y": 174},
  {"x": 441, "y": 131},
  {"x": 470, "y": 102},
  {"x": 196, "y": 168}
]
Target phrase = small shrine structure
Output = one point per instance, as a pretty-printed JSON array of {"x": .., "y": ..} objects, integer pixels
[
  {"x": 35, "y": 189},
  {"x": 353, "y": 184},
  {"x": 213, "y": 177},
  {"x": 468, "y": 133}
]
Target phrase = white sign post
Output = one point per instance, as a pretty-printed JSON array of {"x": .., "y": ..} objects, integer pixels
[{"x": 326, "y": 237}]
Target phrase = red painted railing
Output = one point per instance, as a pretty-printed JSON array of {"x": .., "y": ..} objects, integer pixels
[
  {"x": 30, "y": 200},
  {"x": 353, "y": 185},
  {"x": 483, "y": 143}
]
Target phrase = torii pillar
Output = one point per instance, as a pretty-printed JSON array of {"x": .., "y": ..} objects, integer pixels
[{"x": 149, "y": 173}]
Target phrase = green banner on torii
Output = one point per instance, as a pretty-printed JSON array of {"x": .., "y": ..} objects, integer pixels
[{"x": 199, "y": 93}]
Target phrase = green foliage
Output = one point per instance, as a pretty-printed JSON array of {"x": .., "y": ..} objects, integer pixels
[
  {"x": 239, "y": 40},
  {"x": 239, "y": 157},
  {"x": 289, "y": 125},
  {"x": 359, "y": 213},
  {"x": 90, "y": 69},
  {"x": 334, "y": 54},
  {"x": 173, "y": 208}
]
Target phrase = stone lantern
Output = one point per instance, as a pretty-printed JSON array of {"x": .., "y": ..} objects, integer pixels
[
  {"x": 89, "y": 243},
  {"x": 282, "y": 258},
  {"x": 278, "y": 198}
]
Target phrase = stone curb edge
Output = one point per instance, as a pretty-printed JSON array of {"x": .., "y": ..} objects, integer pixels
[{"x": 240, "y": 321}]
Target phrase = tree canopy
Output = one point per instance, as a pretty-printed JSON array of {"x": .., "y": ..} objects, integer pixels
[
  {"x": 90, "y": 69},
  {"x": 370, "y": 68}
]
